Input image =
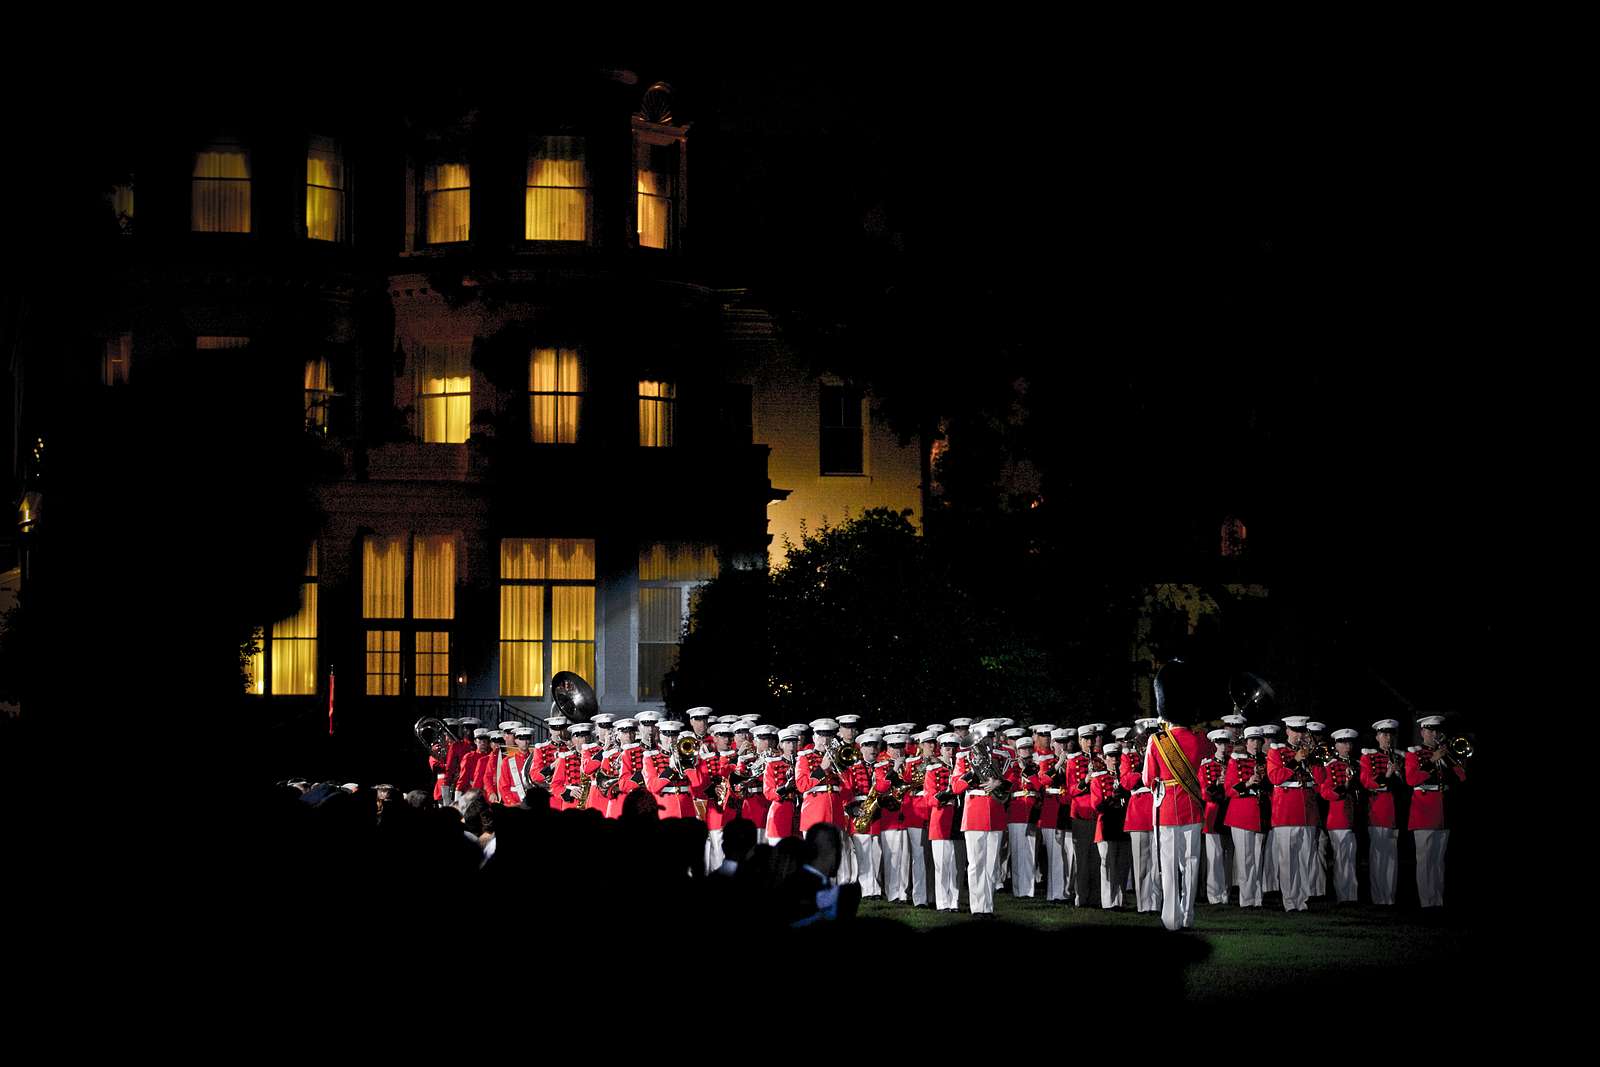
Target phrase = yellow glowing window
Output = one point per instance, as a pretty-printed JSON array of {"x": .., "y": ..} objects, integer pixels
[
  {"x": 547, "y": 611},
  {"x": 447, "y": 202},
  {"x": 118, "y": 360},
  {"x": 219, "y": 195},
  {"x": 444, "y": 391},
  {"x": 557, "y": 207},
  {"x": 655, "y": 166},
  {"x": 433, "y": 577},
  {"x": 325, "y": 220},
  {"x": 319, "y": 395},
  {"x": 669, "y": 575},
  {"x": 383, "y": 577},
  {"x": 656, "y": 402},
  {"x": 555, "y": 395},
  {"x": 383, "y": 663},
  {"x": 286, "y": 665},
  {"x": 433, "y": 663}
]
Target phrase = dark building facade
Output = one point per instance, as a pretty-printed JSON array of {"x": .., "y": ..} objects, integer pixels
[{"x": 487, "y": 320}]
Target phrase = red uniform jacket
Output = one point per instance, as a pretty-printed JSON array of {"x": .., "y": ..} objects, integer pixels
[
  {"x": 565, "y": 771},
  {"x": 1246, "y": 811},
  {"x": 1109, "y": 804},
  {"x": 1383, "y": 789},
  {"x": 437, "y": 766},
  {"x": 1213, "y": 777},
  {"x": 1140, "y": 815},
  {"x": 467, "y": 771},
  {"x": 982, "y": 812},
  {"x": 1292, "y": 804},
  {"x": 720, "y": 767},
  {"x": 675, "y": 791},
  {"x": 1023, "y": 806},
  {"x": 864, "y": 779},
  {"x": 592, "y": 753},
  {"x": 825, "y": 793},
  {"x": 1430, "y": 780},
  {"x": 1339, "y": 790},
  {"x": 1044, "y": 782},
  {"x": 1178, "y": 808},
  {"x": 753, "y": 803},
  {"x": 452, "y": 760},
  {"x": 1081, "y": 806},
  {"x": 913, "y": 813},
  {"x": 510, "y": 785},
  {"x": 781, "y": 821},
  {"x": 629, "y": 760},
  {"x": 941, "y": 815}
]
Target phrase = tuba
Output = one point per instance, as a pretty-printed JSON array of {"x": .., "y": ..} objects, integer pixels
[
  {"x": 572, "y": 697},
  {"x": 435, "y": 736}
]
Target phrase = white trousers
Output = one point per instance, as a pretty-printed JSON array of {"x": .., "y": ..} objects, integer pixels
[
  {"x": 1054, "y": 864},
  {"x": 1291, "y": 846},
  {"x": 917, "y": 862},
  {"x": 867, "y": 855},
  {"x": 983, "y": 857},
  {"x": 1021, "y": 859},
  {"x": 761, "y": 835},
  {"x": 847, "y": 862},
  {"x": 1317, "y": 872},
  {"x": 946, "y": 893},
  {"x": 1269, "y": 865},
  {"x": 1383, "y": 844},
  {"x": 1249, "y": 848},
  {"x": 1217, "y": 853},
  {"x": 896, "y": 873},
  {"x": 1344, "y": 864},
  {"x": 1180, "y": 873},
  {"x": 1113, "y": 871},
  {"x": 1431, "y": 845},
  {"x": 1146, "y": 886},
  {"x": 714, "y": 853}
]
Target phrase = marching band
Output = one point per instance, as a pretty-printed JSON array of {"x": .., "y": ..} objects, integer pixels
[{"x": 1149, "y": 820}]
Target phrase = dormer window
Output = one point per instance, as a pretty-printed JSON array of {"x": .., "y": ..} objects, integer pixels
[
  {"x": 447, "y": 201},
  {"x": 656, "y": 169},
  {"x": 219, "y": 200},
  {"x": 557, "y": 207}
]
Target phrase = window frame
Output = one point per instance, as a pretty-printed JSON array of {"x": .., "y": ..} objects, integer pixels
[
  {"x": 587, "y": 189},
  {"x": 408, "y": 626},
  {"x": 425, "y": 197},
  {"x": 825, "y": 430},
  {"x": 423, "y": 351},
  {"x": 547, "y": 641},
  {"x": 342, "y": 214},
  {"x": 666, "y": 404},
  {"x": 687, "y": 588},
  {"x": 580, "y": 395},
  {"x": 266, "y": 640},
  {"x": 248, "y": 180}
]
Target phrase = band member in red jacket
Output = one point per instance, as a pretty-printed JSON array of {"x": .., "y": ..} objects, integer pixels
[
  {"x": 510, "y": 786},
  {"x": 778, "y": 786},
  {"x": 628, "y": 762},
  {"x": 864, "y": 780},
  {"x": 895, "y": 768},
  {"x": 939, "y": 800},
  {"x": 1048, "y": 754},
  {"x": 980, "y": 781},
  {"x": 469, "y": 775},
  {"x": 1296, "y": 775},
  {"x": 1111, "y": 835},
  {"x": 676, "y": 781},
  {"x": 1246, "y": 817},
  {"x": 748, "y": 776},
  {"x": 1084, "y": 820},
  {"x": 1022, "y": 816},
  {"x": 721, "y": 763},
  {"x": 1215, "y": 840},
  {"x": 1341, "y": 789},
  {"x": 1383, "y": 781},
  {"x": 1431, "y": 772},
  {"x": 1170, "y": 769}
]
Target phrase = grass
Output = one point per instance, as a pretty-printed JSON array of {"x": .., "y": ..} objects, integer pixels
[{"x": 1254, "y": 955}]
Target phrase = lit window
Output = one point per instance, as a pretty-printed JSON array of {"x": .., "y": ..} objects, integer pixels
[
  {"x": 547, "y": 612},
  {"x": 118, "y": 360},
  {"x": 656, "y": 401},
  {"x": 121, "y": 201},
  {"x": 555, "y": 395},
  {"x": 558, "y": 194},
  {"x": 842, "y": 441},
  {"x": 219, "y": 199},
  {"x": 447, "y": 201},
  {"x": 656, "y": 167},
  {"x": 286, "y": 665},
  {"x": 325, "y": 190},
  {"x": 391, "y": 604},
  {"x": 319, "y": 395},
  {"x": 444, "y": 388},
  {"x": 668, "y": 576}
]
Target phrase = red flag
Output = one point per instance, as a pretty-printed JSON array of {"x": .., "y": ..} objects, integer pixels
[{"x": 330, "y": 702}]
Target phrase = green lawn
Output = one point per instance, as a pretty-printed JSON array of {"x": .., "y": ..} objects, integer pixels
[{"x": 1234, "y": 954}]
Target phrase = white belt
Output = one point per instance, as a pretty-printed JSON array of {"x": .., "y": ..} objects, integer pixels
[
  {"x": 1291, "y": 785},
  {"x": 1432, "y": 788},
  {"x": 823, "y": 789},
  {"x": 1140, "y": 791},
  {"x": 1052, "y": 791},
  {"x": 674, "y": 789},
  {"x": 1028, "y": 793},
  {"x": 977, "y": 792}
]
